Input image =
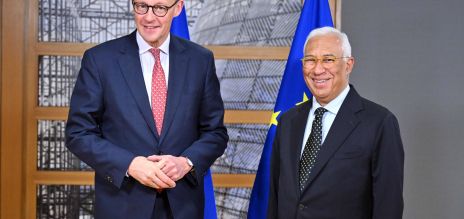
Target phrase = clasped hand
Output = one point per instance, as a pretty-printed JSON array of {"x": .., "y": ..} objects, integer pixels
[{"x": 158, "y": 171}]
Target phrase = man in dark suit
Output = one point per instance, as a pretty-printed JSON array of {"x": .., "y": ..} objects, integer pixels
[
  {"x": 147, "y": 115},
  {"x": 337, "y": 155}
]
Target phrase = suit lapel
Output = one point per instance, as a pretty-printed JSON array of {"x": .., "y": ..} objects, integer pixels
[
  {"x": 341, "y": 128},
  {"x": 129, "y": 62},
  {"x": 296, "y": 140},
  {"x": 178, "y": 63}
]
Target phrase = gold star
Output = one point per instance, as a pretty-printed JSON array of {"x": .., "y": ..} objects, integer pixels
[
  {"x": 305, "y": 98},
  {"x": 274, "y": 118}
]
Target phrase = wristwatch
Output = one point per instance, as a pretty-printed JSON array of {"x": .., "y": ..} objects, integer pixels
[{"x": 189, "y": 162}]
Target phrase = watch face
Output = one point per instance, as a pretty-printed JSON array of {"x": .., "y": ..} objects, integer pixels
[{"x": 189, "y": 162}]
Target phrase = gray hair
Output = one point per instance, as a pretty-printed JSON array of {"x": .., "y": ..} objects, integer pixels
[{"x": 345, "y": 44}]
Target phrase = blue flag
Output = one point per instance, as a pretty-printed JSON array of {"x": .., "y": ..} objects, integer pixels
[
  {"x": 179, "y": 28},
  {"x": 293, "y": 90}
]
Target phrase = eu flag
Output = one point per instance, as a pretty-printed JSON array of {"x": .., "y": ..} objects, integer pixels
[
  {"x": 179, "y": 28},
  {"x": 293, "y": 90}
]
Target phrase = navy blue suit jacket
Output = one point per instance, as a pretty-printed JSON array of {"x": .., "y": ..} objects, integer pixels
[
  {"x": 110, "y": 122},
  {"x": 359, "y": 169}
]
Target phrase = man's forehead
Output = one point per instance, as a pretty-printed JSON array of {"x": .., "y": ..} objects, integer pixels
[{"x": 328, "y": 43}]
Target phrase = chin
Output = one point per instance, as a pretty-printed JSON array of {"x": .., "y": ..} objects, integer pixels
[
  {"x": 321, "y": 95},
  {"x": 319, "y": 91}
]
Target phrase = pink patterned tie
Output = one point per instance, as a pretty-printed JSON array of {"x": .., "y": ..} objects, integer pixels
[{"x": 158, "y": 91}]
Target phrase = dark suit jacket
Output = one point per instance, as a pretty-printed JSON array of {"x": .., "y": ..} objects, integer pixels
[
  {"x": 110, "y": 122},
  {"x": 359, "y": 169}
]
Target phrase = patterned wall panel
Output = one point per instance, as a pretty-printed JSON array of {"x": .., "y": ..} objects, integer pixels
[
  {"x": 57, "y": 75},
  {"x": 86, "y": 21},
  {"x": 65, "y": 202},
  {"x": 245, "y": 146},
  {"x": 52, "y": 153},
  {"x": 232, "y": 202},
  {"x": 250, "y": 84}
]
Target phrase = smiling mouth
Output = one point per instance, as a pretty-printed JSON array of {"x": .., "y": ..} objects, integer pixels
[
  {"x": 151, "y": 27},
  {"x": 320, "y": 81}
]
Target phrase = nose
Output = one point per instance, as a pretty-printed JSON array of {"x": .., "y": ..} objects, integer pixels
[
  {"x": 149, "y": 16},
  {"x": 319, "y": 68}
]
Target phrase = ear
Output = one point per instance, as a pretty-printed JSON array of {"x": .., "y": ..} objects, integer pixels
[
  {"x": 349, "y": 65},
  {"x": 178, "y": 8}
]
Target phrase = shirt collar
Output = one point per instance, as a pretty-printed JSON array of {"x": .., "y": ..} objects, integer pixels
[
  {"x": 334, "y": 105},
  {"x": 144, "y": 46}
]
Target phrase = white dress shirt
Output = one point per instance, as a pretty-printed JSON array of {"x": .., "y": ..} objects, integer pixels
[
  {"x": 148, "y": 61},
  {"x": 332, "y": 109}
]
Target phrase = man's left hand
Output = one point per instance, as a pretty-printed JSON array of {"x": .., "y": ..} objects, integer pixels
[{"x": 174, "y": 167}]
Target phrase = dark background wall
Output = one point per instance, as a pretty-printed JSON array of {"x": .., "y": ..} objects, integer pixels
[{"x": 410, "y": 59}]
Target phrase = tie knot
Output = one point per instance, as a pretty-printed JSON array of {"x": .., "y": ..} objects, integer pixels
[
  {"x": 155, "y": 52},
  {"x": 320, "y": 111}
]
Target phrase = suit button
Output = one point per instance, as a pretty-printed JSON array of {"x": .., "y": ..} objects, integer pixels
[{"x": 301, "y": 206}]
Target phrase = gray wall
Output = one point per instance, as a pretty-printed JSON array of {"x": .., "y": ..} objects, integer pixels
[{"x": 410, "y": 59}]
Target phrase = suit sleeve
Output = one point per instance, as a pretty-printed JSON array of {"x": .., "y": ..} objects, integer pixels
[
  {"x": 83, "y": 134},
  {"x": 213, "y": 134},
  {"x": 388, "y": 165},
  {"x": 272, "y": 207}
]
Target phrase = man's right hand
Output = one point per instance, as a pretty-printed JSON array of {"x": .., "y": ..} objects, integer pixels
[{"x": 149, "y": 173}]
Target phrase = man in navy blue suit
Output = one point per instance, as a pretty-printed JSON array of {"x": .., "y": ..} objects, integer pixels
[
  {"x": 337, "y": 155},
  {"x": 146, "y": 114}
]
